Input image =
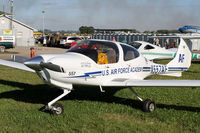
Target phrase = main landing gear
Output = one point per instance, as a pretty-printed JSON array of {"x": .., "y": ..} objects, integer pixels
[
  {"x": 148, "y": 104},
  {"x": 57, "y": 108}
]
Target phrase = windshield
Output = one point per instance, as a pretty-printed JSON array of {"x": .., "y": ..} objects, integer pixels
[
  {"x": 102, "y": 52},
  {"x": 136, "y": 45},
  {"x": 129, "y": 52},
  {"x": 147, "y": 47}
]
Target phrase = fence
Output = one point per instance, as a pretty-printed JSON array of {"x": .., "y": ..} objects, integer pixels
[{"x": 128, "y": 38}]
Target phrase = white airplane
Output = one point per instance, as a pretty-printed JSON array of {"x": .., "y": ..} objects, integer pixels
[
  {"x": 105, "y": 63},
  {"x": 151, "y": 51}
]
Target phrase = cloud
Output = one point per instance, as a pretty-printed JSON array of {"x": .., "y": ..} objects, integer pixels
[{"x": 139, "y": 14}]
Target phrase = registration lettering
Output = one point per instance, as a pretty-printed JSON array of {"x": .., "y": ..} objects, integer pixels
[{"x": 158, "y": 69}]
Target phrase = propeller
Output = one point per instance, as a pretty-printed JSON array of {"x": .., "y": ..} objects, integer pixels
[
  {"x": 51, "y": 66},
  {"x": 37, "y": 63}
]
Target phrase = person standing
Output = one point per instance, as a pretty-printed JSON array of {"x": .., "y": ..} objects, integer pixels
[
  {"x": 167, "y": 43},
  {"x": 32, "y": 52},
  {"x": 157, "y": 42},
  {"x": 175, "y": 43}
]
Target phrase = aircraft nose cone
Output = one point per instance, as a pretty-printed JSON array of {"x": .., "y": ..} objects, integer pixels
[{"x": 34, "y": 63}]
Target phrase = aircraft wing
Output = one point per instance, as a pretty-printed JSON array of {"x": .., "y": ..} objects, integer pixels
[
  {"x": 170, "y": 83},
  {"x": 15, "y": 65},
  {"x": 186, "y": 83}
]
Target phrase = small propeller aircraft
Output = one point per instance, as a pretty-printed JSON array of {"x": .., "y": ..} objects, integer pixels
[
  {"x": 152, "y": 52},
  {"x": 105, "y": 63}
]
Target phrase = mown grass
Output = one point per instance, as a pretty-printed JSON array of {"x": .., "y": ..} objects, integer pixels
[{"x": 22, "y": 94}]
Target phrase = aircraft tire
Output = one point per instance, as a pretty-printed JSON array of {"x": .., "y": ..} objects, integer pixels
[
  {"x": 58, "y": 109},
  {"x": 149, "y": 105}
]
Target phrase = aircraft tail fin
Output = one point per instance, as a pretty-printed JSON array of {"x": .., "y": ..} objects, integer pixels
[{"x": 182, "y": 60}]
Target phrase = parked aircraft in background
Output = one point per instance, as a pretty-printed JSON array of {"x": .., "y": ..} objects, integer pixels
[
  {"x": 151, "y": 51},
  {"x": 189, "y": 29},
  {"x": 105, "y": 63}
]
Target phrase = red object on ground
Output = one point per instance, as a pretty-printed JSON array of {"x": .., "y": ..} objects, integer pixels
[{"x": 32, "y": 53}]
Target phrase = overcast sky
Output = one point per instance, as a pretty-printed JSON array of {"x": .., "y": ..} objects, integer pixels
[{"x": 134, "y": 14}]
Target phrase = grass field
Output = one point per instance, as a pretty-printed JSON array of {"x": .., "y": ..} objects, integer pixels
[{"x": 22, "y": 94}]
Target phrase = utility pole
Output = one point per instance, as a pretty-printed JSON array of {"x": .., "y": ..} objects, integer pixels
[
  {"x": 11, "y": 12},
  {"x": 43, "y": 23}
]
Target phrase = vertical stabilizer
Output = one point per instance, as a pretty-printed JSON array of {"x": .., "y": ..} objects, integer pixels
[
  {"x": 183, "y": 56},
  {"x": 181, "y": 62}
]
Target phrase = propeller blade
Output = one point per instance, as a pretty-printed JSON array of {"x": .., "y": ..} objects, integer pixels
[
  {"x": 51, "y": 66},
  {"x": 37, "y": 63}
]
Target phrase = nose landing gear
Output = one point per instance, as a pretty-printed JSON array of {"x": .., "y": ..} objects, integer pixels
[{"x": 57, "y": 108}]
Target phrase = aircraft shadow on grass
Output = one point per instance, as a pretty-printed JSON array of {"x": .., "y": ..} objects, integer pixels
[{"x": 42, "y": 94}]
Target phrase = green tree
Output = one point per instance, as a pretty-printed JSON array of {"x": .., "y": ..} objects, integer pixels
[
  {"x": 90, "y": 30},
  {"x": 148, "y": 32},
  {"x": 134, "y": 31},
  {"x": 86, "y": 30}
]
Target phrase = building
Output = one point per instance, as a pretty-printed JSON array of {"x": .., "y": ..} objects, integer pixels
[{"x": 23, "y": 33}]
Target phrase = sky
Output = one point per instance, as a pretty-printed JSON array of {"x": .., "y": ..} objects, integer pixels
[{"x": 141, "y": 15}]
